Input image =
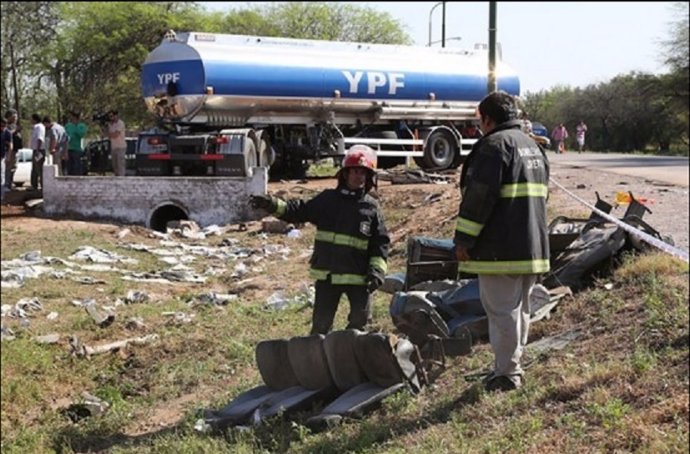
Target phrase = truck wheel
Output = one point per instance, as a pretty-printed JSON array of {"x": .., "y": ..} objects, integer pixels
[
  {"x": 440, "y": 150},
  {"x": 249, "y": 153},
  {"x": 457, "y": 162},
  {"x": 266, "y": 154}
]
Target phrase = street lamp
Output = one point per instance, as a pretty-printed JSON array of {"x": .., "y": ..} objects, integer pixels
[{"x": 430, "y": 13}]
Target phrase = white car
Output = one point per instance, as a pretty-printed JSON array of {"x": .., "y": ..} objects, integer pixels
[{"x": 23, "y": 172}]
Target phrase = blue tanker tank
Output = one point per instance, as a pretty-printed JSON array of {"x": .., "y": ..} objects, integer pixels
[{"x": 235, "y": 80}]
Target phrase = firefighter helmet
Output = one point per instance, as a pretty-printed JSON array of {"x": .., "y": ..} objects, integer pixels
[{"x": 360, "y": 156}]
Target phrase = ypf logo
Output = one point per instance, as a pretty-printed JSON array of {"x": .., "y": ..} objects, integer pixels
[
  {"x": 166, "y": 78},
  {"x": 374, "y": 80}
]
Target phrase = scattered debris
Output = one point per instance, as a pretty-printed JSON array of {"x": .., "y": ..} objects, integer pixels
[
  {"x": 136, "y": 297},
  {"x": 278, "y": 300},
  {"x": 215, "y": 299},
  {"x": 103, "y": 321},
  {"x": 294, "y": 233},
  {"x": 166, "y": 277},
  {"x": 22, "y": 309},
  {"x": 179, "y": 317},
  {"x": 53, "y": 338},
  {"x": 95, "y": 255},
  {"x": 14, "y": 278},
  {"x": 408, "y": 176},
  {"x": 7, "y": 333},
  {"x": 556, "y": 342},
  {"x": 240, "y": 270},
  {"x": 88, "y": 280},
  {"x": 80, "y": 350},
  {"x": 89, "y": 405},
  {"x": 135, "y": 323}
]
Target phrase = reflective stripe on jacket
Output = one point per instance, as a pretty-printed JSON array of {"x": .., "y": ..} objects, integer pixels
[
  {"x": 502, "y": 214},
  {"x": 350, "y": 236}
]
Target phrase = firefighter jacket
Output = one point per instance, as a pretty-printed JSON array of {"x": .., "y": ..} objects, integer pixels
[
  {"x": 350, "y": 236},
  {"x": 502, "y": 215}
]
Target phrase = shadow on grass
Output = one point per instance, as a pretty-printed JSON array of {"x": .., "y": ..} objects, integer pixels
[
  {"x": 72, "y": 439},
  {"x": 373, "y": 432}
]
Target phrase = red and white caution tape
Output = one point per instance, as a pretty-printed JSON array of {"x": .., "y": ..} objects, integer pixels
[{"x": 647, "y": 238}]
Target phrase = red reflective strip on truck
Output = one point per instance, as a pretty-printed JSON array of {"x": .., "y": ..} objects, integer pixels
[
  {"x": 211, "y": 157},
  {"x": 159, "y": 156}
]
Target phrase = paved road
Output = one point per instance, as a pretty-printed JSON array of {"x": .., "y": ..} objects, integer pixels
[{"x": 666, "y": 169}]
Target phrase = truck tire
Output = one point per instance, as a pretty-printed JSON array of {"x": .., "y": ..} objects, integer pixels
[
  {"x": 266, "y": 154},
  {"x": 457, "y": 162},
  {"x": 440, "y": 151},
  {"x": 250, "y": 157}
]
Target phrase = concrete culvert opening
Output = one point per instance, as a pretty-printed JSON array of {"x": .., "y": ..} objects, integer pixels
[{"x": 164, "y": 214}]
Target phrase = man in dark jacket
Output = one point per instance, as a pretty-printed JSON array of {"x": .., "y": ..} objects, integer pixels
[
  {"x": 501, "y": 233},
  {"x": 351, "y": 243}
]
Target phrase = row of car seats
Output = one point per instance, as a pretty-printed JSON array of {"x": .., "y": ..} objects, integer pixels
[{"x": 348, "y": 371}]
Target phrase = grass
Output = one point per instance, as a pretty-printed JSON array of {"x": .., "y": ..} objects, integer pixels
[{"x": 621, "y": 387}]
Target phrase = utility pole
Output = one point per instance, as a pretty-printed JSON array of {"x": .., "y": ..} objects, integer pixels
[
  {"x": 443, "y": 25},
  {"x": 491, "y": 85}
]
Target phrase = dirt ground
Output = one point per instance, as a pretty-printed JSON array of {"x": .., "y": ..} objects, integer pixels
[
  {"x": 410, "y": 209},
  {"x": 432, "y": 207}
]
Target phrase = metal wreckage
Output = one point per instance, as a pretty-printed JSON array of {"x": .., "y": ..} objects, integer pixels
[{"x": 437, "y": 313}]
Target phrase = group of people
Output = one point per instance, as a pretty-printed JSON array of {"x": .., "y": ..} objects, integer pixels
[
  {"x": 560, "y": 133},
  {"x": 53, "y": 143},
  {"x": 500, "y": 233},
  {"x": 56, "y": 144}
]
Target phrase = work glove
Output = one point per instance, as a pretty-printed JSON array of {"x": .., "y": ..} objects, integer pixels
[
  {"x": 263, "y": 202},
  {"x": 375, "y": 279}
]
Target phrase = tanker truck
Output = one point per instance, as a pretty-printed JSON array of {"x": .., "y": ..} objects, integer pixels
[{"x": 226, "y": 104}]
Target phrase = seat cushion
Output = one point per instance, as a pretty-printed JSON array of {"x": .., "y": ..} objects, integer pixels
[{"x": 342, "y": 360}]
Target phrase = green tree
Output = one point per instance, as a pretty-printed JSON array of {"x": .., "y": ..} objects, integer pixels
[
  {"x": 676, "y": 54},
  {"x": 23, "y": 52},
  {"x": 101, "y": 47},
  {"x": 318, "y": 20}
]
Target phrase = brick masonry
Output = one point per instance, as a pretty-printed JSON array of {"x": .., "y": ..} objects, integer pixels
[{"x": 135, "y": 200}]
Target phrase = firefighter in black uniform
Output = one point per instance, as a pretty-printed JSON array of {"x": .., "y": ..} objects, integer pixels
[
  {"x": 351, "y": 242},
  {"x": 501, "y": 233}
]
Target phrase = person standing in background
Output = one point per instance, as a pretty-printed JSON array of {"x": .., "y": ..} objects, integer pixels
[
  {"x": 580, "y": 132},
  {"x": 76, "y": 130},
  {"x": 526, "y": 123},
  {"x": 17, "y": 144},
  {"x": 56, "y": 143},
  {"x": 115, "y": 131},
  {"x": 559, "y": 134},
  {"x": 38, "y": 140},
  {"x": 6, "y": 143}
]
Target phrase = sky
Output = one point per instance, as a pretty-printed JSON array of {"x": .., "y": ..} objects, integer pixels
[{"x": 548, "y": 43}]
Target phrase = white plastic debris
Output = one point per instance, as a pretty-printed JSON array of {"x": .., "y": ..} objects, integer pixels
[
  {"x": 136, "y": 297},
  {"x": 95, "y": 255},
  {"x": 202, "y": 426},
  {"x": 240, "y": 270},
  {"x": 294, "y": 233}
]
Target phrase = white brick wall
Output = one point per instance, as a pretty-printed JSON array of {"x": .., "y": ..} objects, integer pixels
[{"x": 133, "y": 200}]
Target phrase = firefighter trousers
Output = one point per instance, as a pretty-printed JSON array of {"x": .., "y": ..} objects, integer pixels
[
  {"x": 506, "y": 301},
  {"x": 326, "y": 305}
]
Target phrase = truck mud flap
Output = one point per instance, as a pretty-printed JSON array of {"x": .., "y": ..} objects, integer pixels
[{"x": 231, "y": 166}]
